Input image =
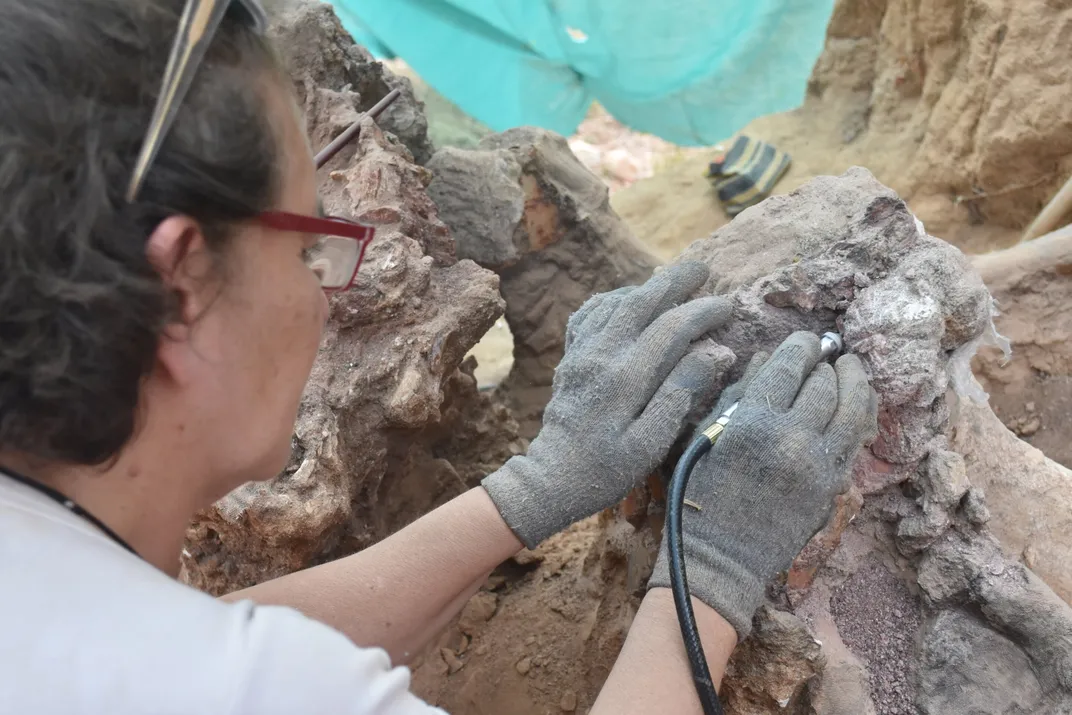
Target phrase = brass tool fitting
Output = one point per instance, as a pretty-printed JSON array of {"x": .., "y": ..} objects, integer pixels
[{"x": 830, "y": 344}]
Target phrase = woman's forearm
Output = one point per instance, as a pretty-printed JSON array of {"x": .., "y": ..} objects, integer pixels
[
  {"x": 652, "y": 673},
  {"x": 399, "y": 593}
]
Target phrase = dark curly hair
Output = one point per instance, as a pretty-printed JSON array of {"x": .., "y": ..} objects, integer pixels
[{"x": 81, "y": 308}]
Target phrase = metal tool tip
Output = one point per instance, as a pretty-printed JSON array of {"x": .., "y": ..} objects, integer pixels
[{"x": 831, "y": 344}]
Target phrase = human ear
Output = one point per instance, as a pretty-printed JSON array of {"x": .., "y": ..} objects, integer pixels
[{"x": 178, "y": 251}]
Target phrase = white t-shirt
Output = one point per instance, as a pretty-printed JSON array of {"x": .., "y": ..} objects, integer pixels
[{"x": 87, "y": 628}]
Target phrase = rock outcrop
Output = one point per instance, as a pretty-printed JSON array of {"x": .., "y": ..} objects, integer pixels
[
  {"x": 391, "y": 423},
  {"x": 524, "y": 206}
]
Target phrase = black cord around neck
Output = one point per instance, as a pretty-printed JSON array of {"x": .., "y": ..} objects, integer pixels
[{"x": 67, "y": 503}]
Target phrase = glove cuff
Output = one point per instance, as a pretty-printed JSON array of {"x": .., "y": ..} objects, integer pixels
[
  {"x": 523, "y": 511},
  {"x": 721, "y": 583}
]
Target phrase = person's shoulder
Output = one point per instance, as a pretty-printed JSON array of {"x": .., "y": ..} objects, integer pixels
[
  {"x": 129, "y": 639},
  {"x": 120, "y": 631}
]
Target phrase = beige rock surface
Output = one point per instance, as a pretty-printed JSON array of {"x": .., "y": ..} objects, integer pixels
[
  {"x": 1029, "y": 495},
  {"x": 1032, "y": 390}
]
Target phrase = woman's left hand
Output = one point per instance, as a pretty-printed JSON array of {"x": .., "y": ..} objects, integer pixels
[{"x": 635, "y": 365}]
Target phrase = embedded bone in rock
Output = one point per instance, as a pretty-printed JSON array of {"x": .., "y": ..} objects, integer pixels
[
  {"x": 337, "y": 79},
  {"x": 391, "y": 423},
  {"x": 859, "y": 262},
  {"x": 1032, "y": 502},
  {"x": 854, "y": 258},
  {"x": 524, "y": 206}
]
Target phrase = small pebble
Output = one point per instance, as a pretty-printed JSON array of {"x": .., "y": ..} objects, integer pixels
[
  {"x": 524, "y": 665},
  {"x": 1030, "y": 427},
  {"x": 569, "y": 701},
  {"x": 454, "y": 664}
]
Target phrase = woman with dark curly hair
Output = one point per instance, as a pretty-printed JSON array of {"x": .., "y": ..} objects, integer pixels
[{"x": 163, "y": 269}]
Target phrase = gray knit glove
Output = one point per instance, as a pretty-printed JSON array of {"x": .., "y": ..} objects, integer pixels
[
  {"x": 631, "y": 374},
  {"x": 768, "y": 484}
]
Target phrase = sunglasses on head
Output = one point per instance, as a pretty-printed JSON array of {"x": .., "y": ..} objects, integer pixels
[{"x": 338, "y": 254}]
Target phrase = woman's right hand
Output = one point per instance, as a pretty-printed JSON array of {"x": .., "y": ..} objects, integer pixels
[{"x": 769, "y": 483}]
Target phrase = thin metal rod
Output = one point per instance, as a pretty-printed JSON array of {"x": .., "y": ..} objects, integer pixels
[{"x": 328, "y": 153}]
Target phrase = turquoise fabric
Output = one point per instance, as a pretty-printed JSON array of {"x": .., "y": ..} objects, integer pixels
[{"x": 693, "y": 72}]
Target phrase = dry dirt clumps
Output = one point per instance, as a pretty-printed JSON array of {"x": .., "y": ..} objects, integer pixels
[
  {"x": 391, "y": 423},
  {"x": 523, "y": 205},
  {"x": 907, "y": 598}
]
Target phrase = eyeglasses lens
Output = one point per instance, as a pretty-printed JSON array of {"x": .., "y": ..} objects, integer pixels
[{"x": 335, "y": 260}]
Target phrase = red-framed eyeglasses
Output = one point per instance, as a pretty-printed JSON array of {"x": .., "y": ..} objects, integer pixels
[
  {"x": 341, "y": 248},
  {"x": 338, "y": 254}
]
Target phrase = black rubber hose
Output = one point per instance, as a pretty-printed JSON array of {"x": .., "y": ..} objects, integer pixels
[{"x": 679, "y": 584}]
